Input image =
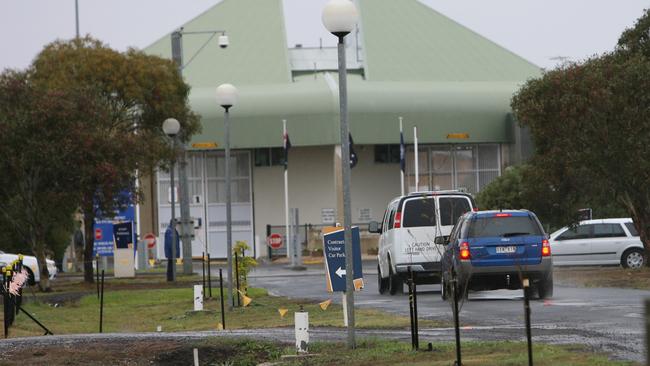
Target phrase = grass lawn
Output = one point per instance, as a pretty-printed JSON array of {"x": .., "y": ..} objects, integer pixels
[
  {"x": 595, "y": 276},
  {"x": 143, "y": 310}
]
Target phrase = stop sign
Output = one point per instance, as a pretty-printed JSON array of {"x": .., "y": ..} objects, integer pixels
[
  {"x": 98, "y": 234},
  {"x": 150, "y": 239},
  {"x": 275, "y": 241}
]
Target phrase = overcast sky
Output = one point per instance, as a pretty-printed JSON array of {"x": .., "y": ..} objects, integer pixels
[{"x": 542, "y": 31}]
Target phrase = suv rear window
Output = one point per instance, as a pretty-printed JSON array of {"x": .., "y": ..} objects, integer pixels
[
  {"x": 419, "y": 212},
  {"x": 481, "y": 227},
  {"x": 451, "y": 208}
]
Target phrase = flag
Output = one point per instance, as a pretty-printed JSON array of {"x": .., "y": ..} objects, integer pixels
[
  {"x": 353, "y": 155},
  {"x": 283, "y": 312},
  {"x": 287, "y": 146},
  {"x": 402, "y": 152}
]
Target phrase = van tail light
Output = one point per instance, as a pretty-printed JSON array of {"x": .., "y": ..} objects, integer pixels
[
  {"x": 464, "y": 251},
  {"x": 397, "y": 223},
  {"x": 475, "y": 209},
  {"x": 546, "y": 248}
]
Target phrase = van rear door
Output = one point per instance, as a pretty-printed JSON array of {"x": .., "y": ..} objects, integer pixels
[
  {"x": 417, "y": 234},
  {"x": 451, "y": 208}
]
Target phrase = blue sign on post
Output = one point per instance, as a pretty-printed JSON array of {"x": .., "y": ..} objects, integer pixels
[
  {"x": 334, "y": 251},
  {"x": 103, "y": 230}
]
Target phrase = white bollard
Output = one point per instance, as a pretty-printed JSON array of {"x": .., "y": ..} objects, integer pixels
[
  {"x": 198, "y": 297},
  {"x": 302, "y": 331}
]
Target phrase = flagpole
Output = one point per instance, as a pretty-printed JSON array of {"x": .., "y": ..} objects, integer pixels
[
  {"x": 286, "y": 194},
  {"x": 417, "y": 167},
  {"x": 401, "y": 147}
]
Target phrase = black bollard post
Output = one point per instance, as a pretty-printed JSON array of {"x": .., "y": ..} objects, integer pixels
[
  {"x": 5, "y": 302},
  {"x": 456, "y": 322},
  {"x": 237, "y": 279},
  {"x": 203, "y": 266},
  {"x": 101, "y": 305},
  {"x": 415, "y": 312},
  {"x": 527, "y": 315},
  {"x": 223, "y": 314},
  {"x": 410, "y": 286},
  {"x": 209, "y": 276},
  {"x": 97, "y": 274}
]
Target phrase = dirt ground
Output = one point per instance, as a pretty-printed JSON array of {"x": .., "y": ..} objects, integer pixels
[{"x": 140, "y": 352}]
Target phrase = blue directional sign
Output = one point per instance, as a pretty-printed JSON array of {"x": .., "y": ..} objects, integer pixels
[{"x": 334, "y": 251}]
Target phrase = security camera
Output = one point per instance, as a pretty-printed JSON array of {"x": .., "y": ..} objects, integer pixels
[{"x": 223, "y": 41}]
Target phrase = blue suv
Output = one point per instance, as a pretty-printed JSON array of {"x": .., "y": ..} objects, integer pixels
[{"x": 489, "y": 250}]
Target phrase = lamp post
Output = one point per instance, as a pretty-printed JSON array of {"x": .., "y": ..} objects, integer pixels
[
  {"x": 177, "y": 56},
  {"x": 340, "y": 18},
  {"x": 171, "y": 126},
  {"x": 227, "y": 97}
]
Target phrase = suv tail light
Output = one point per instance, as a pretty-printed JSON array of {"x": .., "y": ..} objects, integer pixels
[
  {"x": 464, "y": 251},
  {"x": 397, "y": 223},
  {"x": 546, "y": 248}
]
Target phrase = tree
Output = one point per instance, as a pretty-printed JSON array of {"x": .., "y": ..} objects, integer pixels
[
  {"x": 38, "y": 133},
  {"x": 590, "y": 123},
  {"x": 138, "y": 92}
]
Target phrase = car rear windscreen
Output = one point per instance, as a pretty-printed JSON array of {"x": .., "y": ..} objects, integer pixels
[
  {"x": 452, "y": 208},
  {"x": 419, "y": 212},
  {"x": 510, "y": 226}
]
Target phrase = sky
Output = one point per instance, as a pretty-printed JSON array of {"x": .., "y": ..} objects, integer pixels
[{"x": 545, "y": 32}]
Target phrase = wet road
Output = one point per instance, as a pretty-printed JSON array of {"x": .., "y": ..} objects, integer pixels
[{"x": 606, "y": 319}]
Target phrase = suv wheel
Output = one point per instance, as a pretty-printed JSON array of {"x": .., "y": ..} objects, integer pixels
[
  {"x": 545, "y": 287},
  {"x": 382, "y": 283},
  {"x": 394, "y": 282},
  {"x": 633, "y": 259}
]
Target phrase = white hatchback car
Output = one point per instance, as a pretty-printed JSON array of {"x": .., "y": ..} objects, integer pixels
[
  {"x": 598, "y": 242},
  {"x": 408, "y": 231},
  {"x": 31, "y": 264}
]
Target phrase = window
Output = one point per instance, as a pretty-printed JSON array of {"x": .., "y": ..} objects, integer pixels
[
  {"x": 391, "y": 217},
  {"x": 483, "y": 227},
  {"x": 630, "y": 227},
  {"x": 269, "y": 156},
  {"x": 608, "y": 231},
  {"x": 451, "y": 208},
  {"x": 581, "y": 232},
  {"x": 387, "y": 154},
  {"x": 469, "y": 167},
  {"x": 419, "y": 212}
]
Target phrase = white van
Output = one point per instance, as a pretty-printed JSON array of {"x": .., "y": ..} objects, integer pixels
[{"x": 410, "y": 225}]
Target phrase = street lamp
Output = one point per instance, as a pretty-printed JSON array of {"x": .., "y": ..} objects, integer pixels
[
  {"x": 171, "y": 127},
  {"x": 340, "y": 18},
  {"x": 227, "y": 97}
]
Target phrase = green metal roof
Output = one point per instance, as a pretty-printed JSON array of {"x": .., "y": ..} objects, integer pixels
[
  {"x": 435, "y": 73},
  {"x": 407, "y": 40},
  {"x": 310, "y": 105},
  {"x": 258, "y": 48}
]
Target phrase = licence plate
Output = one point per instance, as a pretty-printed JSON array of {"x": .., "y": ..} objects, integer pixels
[{"x": 506, "y": 249}]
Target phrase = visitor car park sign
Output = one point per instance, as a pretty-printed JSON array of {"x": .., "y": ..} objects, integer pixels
[{"x": 334, "y": 252}]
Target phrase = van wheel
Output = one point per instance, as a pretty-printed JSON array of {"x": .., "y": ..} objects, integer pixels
[
  {"x": 444, "y": 288},
  {"x": 545, "y": 287},
  {"x": 382, "y": 283},
  {"x": 633, "y": 259},
  {"x": 394, "y": 282}
]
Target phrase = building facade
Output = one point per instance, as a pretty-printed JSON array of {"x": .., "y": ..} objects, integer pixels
[{"x": 404, "y": 61}]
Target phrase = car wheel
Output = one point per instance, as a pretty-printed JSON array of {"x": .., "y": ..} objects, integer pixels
[
  {"x": 545, "y": 287},
  {"x": 633, "y": 259},
  {"x": 444, "y": 288},
  {"x": 382, "y": 283},
  {"x": 394, "y": 282}
]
